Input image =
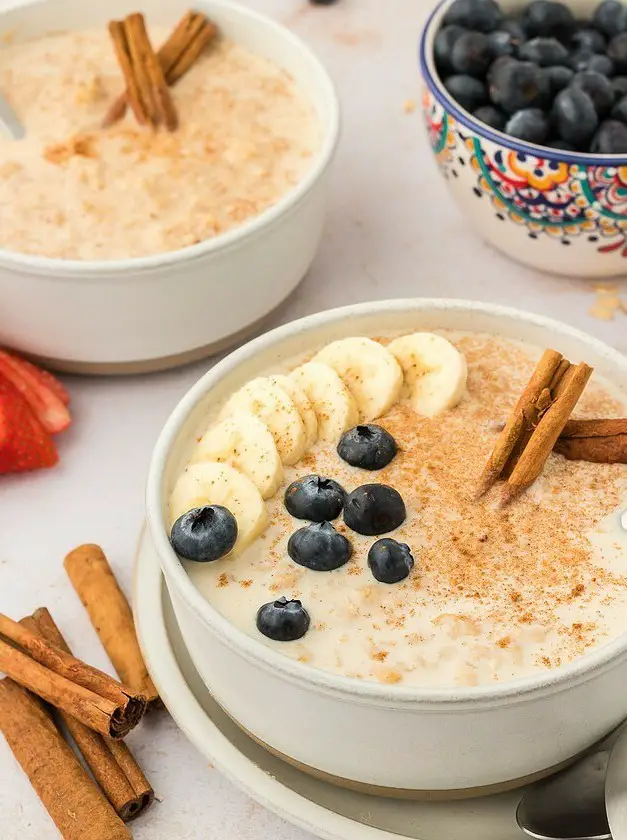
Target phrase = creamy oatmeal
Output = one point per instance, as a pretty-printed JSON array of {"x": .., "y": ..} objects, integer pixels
[
  {"x": 71, "y": 189},
  {"x": 493, "y": 595}
]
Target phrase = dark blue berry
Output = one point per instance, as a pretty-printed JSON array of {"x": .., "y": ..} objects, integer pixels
[
  {"x": 283, "y": 620},
  {"x": 574, "y": 116},
  {"x": 549, "y": 20},
  {"x": 443, "y": 47},
  {"x": 598, "y": 88},
  {"x": 491, "y": 116},
  {"x": 610, "y": 139},
  {"x": 315, "y": 498},
  {"x": 471, "y": 54},
  {"x": 617, "y": 52},
  {"x": 468, "y": 92},
  {"x": 619, "y": 111},
  {"x": 610, "y": 18},
  {"x": 204, "y": 534},
  {"x": 547, "y": 52},
  {"x": 503, "y": 43},
  {"x": 481, "y": 15},
  {"x": 562, "y": 145},
  {"x": 369, "y": 447},
  {"x": 588, "y": 39},
  {"x": 515, "y": 30},
  {"x": 374, "y": 509},
  {"x": 518, "y": 84},
  {"x": 319, "y": 547},
  {"x": 558, "y": 78},
  {"x": 619, "y": 86},
  {"x": 390, "y": 561},
  {"x": 584, "y": 60},
  {"x": 530, "y": 124}
]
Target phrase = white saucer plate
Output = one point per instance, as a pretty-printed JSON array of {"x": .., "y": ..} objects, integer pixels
[{"x": 324, "y": 810}]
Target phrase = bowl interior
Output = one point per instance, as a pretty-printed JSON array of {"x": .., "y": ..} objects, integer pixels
[{"x": 271, "y": 352}]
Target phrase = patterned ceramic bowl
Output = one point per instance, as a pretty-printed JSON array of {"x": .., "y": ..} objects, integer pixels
[{"x": 557, "y": 211}]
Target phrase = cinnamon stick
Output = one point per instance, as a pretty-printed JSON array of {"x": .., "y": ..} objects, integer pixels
[
  {"x": 134, "y": 93},
  {"x": 547, "y": 432},
  {"x": 515, "y": 427},
  {"x": 82, "y": 691},
  {"x": 73, "y": 801},
  {"x": 109, "y": 611},
  {"x": 597, "y": 441},
  {"x": 111, "y": 762}
]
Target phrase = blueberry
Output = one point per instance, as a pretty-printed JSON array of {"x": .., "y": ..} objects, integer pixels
[
  {"x": 204, "y": 534},
  {"x": 283, "y": 620},
  {"x": 610, "y": 18},
  {"x": 503, "y": 43},
  {"x": 597, "y": 63},
  {"x": 562, "y": 145},
  {"x": 471, "y": 54},
  {"x": 497, "y": 67},
  {"x": 515, "y": 30},
  {"x": 547, "y": 52},
  {"x": 319, "y": 547},
  {"x": 443, "y": 47},
  {"x": 517, "y": 85},
  {"x": 598, "y": 88},
  {"x": 315, "y": 498},
  {"x": 549, "y": 20},
  {"x": 574, "y": 116},
  {"x": 619, "y": 111},
  {"x": 558, "y": 78},
  {"x": 468, "y": 92},
  {"x": 369, "y": 447},
  {"x": 491, "y": 116},
  {"x": 374, "y": 509},
  {"x": 617, "y": 51},
  {"x": 390, "y": 561},
  {"x": 481, "y": 15},
  {"x": 588, "y": 39},
  {"x": 619, "y": 86},
  {"x": 530, "y": 124},
  {"x": 610, "y": 139}
]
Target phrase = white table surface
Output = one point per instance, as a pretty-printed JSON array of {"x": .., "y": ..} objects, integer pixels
[{"x": 393, "y": 231}]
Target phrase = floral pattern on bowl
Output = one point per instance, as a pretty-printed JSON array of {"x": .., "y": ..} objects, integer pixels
[{"x": 548, "y": 197}]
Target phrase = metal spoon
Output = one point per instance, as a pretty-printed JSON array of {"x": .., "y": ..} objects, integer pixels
[
  {"x": 569, "y": 805},
  {"x": 9, "y": 122}
]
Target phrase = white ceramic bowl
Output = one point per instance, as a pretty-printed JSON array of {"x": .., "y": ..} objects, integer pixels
[
  {"x": 154, "y": 312},
  {"x": 555, "y": 211},
  {"x": 391, "y": 739}
]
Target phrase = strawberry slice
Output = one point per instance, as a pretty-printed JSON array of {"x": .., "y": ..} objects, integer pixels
[
  {"x": 24, "y": 443},
  {"x": 46, "y": 379},
  {"x": 45, "y": 404}
]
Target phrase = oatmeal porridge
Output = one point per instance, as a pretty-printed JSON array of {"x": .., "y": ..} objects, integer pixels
[
  {"x": 474, "y": 594},
  {"x": 71, "y": 189}
]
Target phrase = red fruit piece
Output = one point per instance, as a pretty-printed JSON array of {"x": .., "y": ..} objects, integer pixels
[
  {"x": 46, "y": 379},
  {"x": 45, "y": 404},
  {"x": 24, "y": 443}
]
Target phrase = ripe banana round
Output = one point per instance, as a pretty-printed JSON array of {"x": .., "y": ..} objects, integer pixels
[
  {"x": 302, "y": 403},
  {"x": 243, "y": 442},
  {"x": 435, "y": 371},
  {"x": 369, "y": 371},
  {"x": 333, "y": 404},
  {"x": 219, "y": 484},
  {"x": 274, "y": 407}
]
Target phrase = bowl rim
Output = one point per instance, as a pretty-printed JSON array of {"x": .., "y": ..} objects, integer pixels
[
  {"x": 255, "y": 651},
  {"x": 58, "y": 268},
  {"x": 436, "y": 86}
]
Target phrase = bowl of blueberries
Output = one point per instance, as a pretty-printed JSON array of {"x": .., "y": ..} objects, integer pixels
[{"x": 525, "y": 105}]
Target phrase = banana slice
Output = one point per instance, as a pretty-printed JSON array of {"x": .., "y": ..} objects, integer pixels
[
  {"x": 334, "y": 405},
  {"x": 219, "y": 484},
  {"x": 435, "y": 371},
  {"x": 302, "y": 403},
  {"x": 243, "y": 442},
  {"x": 274, "y": 407},
  {"x": 369, "y": 371}
]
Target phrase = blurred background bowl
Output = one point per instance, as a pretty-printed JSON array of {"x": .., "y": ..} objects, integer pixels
[{"x": 561, "y": 212}]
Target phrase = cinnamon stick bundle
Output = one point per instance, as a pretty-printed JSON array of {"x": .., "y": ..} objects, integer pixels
[
  {"x": 110, "y": 613},
  {"x": 111, "y": 762},
  {"x": 73, "y": 801},
  {"x": 95, "y": 698}
]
